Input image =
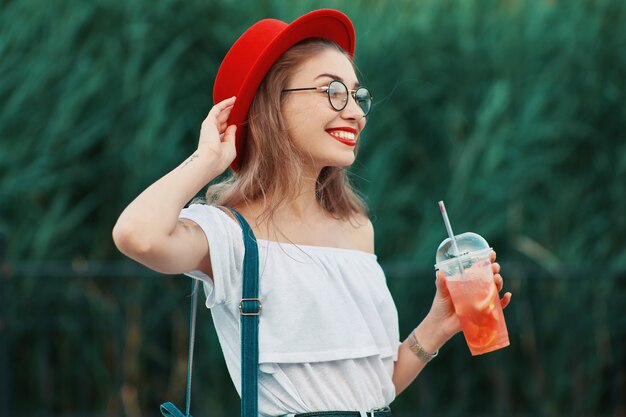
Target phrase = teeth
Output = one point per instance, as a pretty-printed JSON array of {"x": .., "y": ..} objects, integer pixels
[{"x": 342, "y": 134}]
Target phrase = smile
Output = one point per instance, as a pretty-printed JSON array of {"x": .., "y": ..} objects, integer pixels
[{"x": 347, "y": 138}]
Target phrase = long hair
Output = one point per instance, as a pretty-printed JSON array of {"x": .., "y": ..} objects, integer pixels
[{"x": 271, "y": 166}]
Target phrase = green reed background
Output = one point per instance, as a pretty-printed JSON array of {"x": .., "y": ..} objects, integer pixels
[{"x": 510, "y": 111}]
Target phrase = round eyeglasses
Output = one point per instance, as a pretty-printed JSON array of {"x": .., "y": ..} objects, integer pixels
[{"x": 338, "y": 95}]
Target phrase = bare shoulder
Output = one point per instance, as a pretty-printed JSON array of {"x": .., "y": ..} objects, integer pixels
[
  {"x": 187, "y": 223},
  {"x": 361, "y": 230}
]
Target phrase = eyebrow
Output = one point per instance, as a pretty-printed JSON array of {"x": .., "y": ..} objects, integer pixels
[{"x": 336, "y": 77}]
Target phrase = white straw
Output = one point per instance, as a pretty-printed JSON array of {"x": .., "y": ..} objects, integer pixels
[{"x": 446, "y": 221}]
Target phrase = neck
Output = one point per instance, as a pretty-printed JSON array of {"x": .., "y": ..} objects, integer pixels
[
  {"x": 301, "y": 209},
  {"x": 304, "y": 206}
]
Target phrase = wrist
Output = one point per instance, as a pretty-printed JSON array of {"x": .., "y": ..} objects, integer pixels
[
  {"x": 419, "y": 350},
  {"x": 207, "y": 164},
  {"x": 430, "y": 335}
]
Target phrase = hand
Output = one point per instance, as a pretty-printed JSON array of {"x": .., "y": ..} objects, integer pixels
[
  {"x": 217, "y": 139},
  {"x": 442, "y": 309}
]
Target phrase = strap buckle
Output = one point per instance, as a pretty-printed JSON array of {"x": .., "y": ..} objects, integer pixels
[
  {"x": 379, "y": 411},
  {"x": 253, "y": 313}
]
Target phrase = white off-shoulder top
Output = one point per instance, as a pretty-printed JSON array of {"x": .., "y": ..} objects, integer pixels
[{"x": 328, "y": 331}]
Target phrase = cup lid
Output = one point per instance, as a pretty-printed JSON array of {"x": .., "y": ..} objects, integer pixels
[{"x": 469, "y": 245}]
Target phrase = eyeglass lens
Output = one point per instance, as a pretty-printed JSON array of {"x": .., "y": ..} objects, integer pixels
[{"x": 338, "y": 96}]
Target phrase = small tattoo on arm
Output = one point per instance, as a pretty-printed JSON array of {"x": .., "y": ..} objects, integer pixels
[{"x": 191, "y": 159}]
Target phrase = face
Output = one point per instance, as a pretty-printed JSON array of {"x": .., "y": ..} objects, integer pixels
[{"x": 326, "y": 137}]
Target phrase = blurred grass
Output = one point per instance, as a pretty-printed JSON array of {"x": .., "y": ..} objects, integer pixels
[{"x": 510, "y": 111}]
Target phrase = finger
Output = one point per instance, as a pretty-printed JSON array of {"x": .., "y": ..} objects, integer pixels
[
  {"x": 225, "y": 103},
  {"x": 495, "y": 267},
  {"x": 224, "y": 114},
  {"x": 219, "y": 107},
  {"x": 492, "y": 256},
  {"x": 506, "y": 299},
  {"x": 219, "y": 118},
  {"x": 497, "y": 278},
  {"x": 210, "y": 124},
  {"x": 223, "y": 126},
  {"x": 229, "y": 134},
  {"x": 440, "y": 283}
]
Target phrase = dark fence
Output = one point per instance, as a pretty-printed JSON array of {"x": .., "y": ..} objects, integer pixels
[{"x": 91, "y": 339}]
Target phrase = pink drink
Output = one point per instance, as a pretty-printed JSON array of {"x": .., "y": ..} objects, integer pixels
[{"x": 477, "y": 305}]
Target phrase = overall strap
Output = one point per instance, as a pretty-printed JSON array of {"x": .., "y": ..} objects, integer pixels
[
  {"x": 192, "y": 339},
  {"x": 250, "y": 308},
  {"x": 168, "y": 409}
]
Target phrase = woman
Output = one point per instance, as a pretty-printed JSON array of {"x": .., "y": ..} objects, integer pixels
[{"x": 288, "y": 120}]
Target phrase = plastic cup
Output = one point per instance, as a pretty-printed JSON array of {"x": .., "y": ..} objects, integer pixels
[{"x": 473, "y": 291}]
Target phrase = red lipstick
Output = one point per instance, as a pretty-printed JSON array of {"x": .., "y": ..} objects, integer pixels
[{"x": 343, "y": 129}]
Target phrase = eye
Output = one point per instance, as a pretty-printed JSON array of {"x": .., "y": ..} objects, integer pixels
[
  {"x": 335, "y": 91},
  {"x": 362, "y": 95}
]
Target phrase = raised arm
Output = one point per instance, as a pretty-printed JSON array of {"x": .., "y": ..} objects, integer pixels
[{"x": 149, "y": 231}]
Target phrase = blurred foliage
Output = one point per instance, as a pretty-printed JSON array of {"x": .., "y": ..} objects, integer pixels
[{"x": 510, "y": 111}]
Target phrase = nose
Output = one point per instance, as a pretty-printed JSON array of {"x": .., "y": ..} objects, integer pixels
[{"x": 352, "y": 111}]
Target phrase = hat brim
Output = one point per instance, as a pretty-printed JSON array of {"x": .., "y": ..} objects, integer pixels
[{"x": 325, "y": 23}]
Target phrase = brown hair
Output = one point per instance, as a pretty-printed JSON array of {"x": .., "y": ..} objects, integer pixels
[{"x": 270, "y": 167}]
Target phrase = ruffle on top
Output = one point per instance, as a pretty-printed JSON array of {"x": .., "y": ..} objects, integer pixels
[{"x": 319, "y": 303}]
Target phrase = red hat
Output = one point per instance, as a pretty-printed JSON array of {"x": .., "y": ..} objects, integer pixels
[{"x": 253, "y": 54}]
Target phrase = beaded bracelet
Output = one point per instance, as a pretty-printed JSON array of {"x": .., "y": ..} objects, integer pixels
[{"x": 419, "y": 351}]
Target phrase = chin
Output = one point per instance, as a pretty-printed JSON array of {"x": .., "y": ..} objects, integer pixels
[{"x": 342, "y": 163}]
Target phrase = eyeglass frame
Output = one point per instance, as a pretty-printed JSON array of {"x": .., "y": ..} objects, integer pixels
[{"x": 326, "y": 89}]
